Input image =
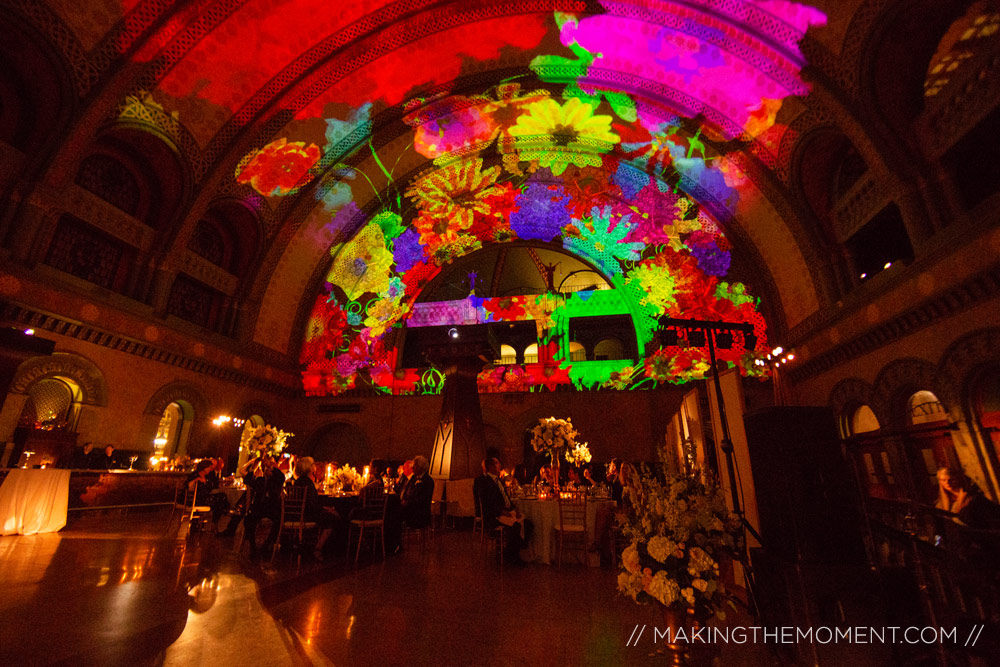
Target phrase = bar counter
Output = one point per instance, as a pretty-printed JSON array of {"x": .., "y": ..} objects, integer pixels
[{"x": 109, "y": 488}]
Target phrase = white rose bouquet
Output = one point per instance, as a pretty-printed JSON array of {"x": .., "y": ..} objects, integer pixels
[{"x": 265, "y": 439}]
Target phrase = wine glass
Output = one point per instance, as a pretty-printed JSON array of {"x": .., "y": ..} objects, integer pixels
[{"x": 131, "y": 461}]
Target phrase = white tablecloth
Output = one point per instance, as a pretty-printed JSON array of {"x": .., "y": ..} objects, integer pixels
[
  {"x": 545, "y": 515},
  {"x": 34, "y": 501}
]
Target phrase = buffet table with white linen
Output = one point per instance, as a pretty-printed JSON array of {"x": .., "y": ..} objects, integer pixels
[
  {"x": 544, "y": 545},
  {"x": 34, "y": 501}
]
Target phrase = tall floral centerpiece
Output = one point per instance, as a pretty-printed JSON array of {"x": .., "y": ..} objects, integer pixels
[
  {"x": 347, "y": 479},
  {"x": 265, "y": 439},
  {"x": 679, "y": 529},
  {"x": 552, "y": 437}
]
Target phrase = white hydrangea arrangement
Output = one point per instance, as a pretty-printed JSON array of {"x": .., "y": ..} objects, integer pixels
[{"x": 679, "y": 529}]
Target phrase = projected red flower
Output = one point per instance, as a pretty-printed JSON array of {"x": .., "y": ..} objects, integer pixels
[{"x": 279, "y": 167}]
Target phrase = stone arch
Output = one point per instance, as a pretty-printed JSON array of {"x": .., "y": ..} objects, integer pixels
[
  {"x": 896, "y": 382},
  {"x": 85, "y": 373},
  {"x": 176, "y": 392},
  {"x": 339, "y": 441},
  {"x": 259, "y": 408},
  {"x": 963, "y": 359},
  {"x": 848, "y": 395}
]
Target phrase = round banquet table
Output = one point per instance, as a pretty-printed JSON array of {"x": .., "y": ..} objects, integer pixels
[
  {"x": 232, "y": 494},
  {"x": 34, "y": 501},
  {"x": 544, "y": 514}
]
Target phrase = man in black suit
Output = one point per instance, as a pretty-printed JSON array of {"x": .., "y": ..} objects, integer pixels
[
  {"x": 417, "y": 494},
  {"x": 499, "y": 510}
]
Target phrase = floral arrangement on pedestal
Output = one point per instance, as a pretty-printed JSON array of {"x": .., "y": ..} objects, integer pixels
[
  {"x": 552, "y": 437},
  {"x": 347, "y": 477},
  {"x": 679, "y": 528},
  {"x": 265, "y": 439}
]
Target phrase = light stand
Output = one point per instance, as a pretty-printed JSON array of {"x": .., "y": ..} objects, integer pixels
[{"x": 710, "y": 330}]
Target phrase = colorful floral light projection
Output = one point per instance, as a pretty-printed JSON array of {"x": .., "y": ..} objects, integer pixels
[{"x": 618, "y": 175}]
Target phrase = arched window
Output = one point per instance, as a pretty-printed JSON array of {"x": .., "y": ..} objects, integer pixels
[
  {"x": 862, "y": 420},
  {"x": 923, "y": 407},
  {"x": 209, "y": 242},
  {"x": 609, "y": 348},
  {"x": 168, "y": 432},
  {"x": 508, "y": 355},
  {"x": 50, "y": 405},
  {"x": 110, "y": 180},
  {"x": 963, "y": 40},
  {"x": 251, "y": 422},
  {"x": 577, "y": 352},
  {"x": 531, "y": 354}
]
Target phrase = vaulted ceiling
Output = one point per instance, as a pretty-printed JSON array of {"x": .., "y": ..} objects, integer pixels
[{"x": 301, "y": 124}]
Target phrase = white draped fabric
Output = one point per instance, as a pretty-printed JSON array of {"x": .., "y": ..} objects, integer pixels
[
  {"x": 545, "y": 515},
  {"x": 34, "y": 501}
]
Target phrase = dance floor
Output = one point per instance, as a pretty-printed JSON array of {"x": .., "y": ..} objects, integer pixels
[{"x": 118, "y": 591}]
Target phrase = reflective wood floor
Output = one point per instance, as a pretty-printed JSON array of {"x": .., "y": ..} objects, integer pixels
[{"x": 121, "y": 591}]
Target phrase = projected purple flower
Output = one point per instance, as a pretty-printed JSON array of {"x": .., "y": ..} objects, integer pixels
[
  {"x": 711, "y": 259},
  {"x": 407, "y": 251},
  {"x": 542, "y": 212}
]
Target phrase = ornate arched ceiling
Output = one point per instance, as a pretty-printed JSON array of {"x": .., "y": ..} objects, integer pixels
[{"x": 676, "y": 114}]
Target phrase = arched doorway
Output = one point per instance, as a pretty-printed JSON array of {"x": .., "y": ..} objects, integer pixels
[
  {"x": 251, "y": 422},
  {"x": 928, "y": 441},
  {"x": 172, "y": 430},
  {"x": 877, "y": 472},
  {"x": 46, "y": 427}
]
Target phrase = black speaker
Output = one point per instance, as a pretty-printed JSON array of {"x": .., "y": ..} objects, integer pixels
[{"x": 806, "y": 495}]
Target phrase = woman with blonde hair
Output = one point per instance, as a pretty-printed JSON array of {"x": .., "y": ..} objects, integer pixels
[{"x": 960, "y": 496}]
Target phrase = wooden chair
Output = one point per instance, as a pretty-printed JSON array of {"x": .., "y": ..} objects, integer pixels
[
  {"x": 572, "y": 522},
  {"x": 438, "y": 506},
  {"x": 478, "y": 526},
  {"x": 186, "y": 501},
  {"x": 293, "y": 518},
  {"x": 371, "y": 519}
]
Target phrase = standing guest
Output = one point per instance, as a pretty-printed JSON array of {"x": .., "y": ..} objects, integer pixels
[
  {"x": 415, "y": 499},
  {"x": 325, "y": 517},
  {"x": 109, "y": 461},
  {"x": 498, "y": 510},
  {"x": 264, "y": 481}
]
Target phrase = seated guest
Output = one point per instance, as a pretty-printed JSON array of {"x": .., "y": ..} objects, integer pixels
[
  {"x": 575, "y": 479},
  {"x": 544, "y": 476},
  {"x": 83, "y": 458},
  {"x": 588, "y": 476},
  {"x": 479, "y": 491},
  {"x": 264, "y": 482},
  {"x": 498, "y": 510},
  {"x": 614, "y": 479},
  {"x": 202, "y": 480},
  {"x": 109, "y": 461},
  {"x": 325, "y": 517},
  {"x": 521, "y": 474},
  {"x": 404, "y": 471},
  {"x": 415, "y": 499},
  {"x": 959, "y": 495}
]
